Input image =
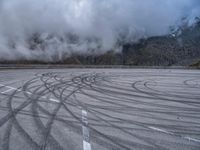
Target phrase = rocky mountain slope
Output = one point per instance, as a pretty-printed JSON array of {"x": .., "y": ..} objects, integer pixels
[{"x": 181, "y": 47}]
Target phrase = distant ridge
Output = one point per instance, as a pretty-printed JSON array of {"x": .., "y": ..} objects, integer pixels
[{"x": 180, "y": 48}]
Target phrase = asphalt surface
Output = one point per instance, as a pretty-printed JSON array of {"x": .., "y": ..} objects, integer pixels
[{"x": 100, "y": 109}]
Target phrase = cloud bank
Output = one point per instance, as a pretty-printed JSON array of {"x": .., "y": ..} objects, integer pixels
[{"x": 53, "y": 29}]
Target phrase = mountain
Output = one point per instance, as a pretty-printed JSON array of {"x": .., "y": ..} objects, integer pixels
[{"x": 180, "y": 47}]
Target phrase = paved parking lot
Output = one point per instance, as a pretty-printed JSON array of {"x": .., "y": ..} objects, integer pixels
[{"x": 100, "y": 109}]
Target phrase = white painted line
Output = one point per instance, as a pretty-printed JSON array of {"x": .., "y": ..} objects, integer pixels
[
  {"x": 86, "y": 145},
  {"x": 12, "y": 88},
  {"x": 164, "y": 131},
  {"x": 192, "y": 139},
  {"x": 6, "y": 91},
  {"x": 160, "y": 130},
  {"x": 54, "y": 100},
  {"x": 85, "y": 130},
  {"x": 84, "y": 113}
]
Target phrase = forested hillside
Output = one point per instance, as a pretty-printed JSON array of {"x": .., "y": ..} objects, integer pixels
[{"x": 181, "y": 47}]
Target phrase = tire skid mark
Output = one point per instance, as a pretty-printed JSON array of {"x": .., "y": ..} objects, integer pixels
[{"x": 112, "y": 98}]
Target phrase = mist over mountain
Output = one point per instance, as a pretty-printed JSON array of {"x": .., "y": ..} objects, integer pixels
[
  {"x": 180, "y": 48},
  {"x": 55, "y": 30}
]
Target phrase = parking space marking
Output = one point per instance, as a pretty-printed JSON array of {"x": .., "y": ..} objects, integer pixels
[{"x": 86, "y": 133}]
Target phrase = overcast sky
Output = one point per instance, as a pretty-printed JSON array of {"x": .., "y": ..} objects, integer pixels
[{"x": 105, "y": 20}]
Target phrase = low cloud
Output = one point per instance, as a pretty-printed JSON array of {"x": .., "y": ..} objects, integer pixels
[{"x": 53, "y": 29}]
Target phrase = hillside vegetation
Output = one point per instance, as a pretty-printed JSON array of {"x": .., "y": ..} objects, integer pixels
[{"x": 181, "y": 47}]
